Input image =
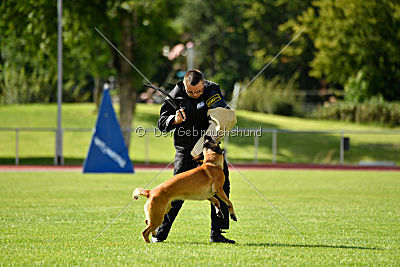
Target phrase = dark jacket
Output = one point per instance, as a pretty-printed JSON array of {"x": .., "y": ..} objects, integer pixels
[{"x": 189, "y": 131}]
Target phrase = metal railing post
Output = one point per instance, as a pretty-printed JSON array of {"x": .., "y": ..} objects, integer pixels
[
  {"x": 146, "y": 149},
  {"x": 341, "y": 147},
  {"x": 274, "y": 145},
  {"x": 58, "y": 138},
  {"x": 255, "y": 148},
  {"x": 17, "y": 146},
  {"x": 274, "y": 133}
]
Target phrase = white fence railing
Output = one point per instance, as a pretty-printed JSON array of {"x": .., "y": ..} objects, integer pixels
[{"x": 254, "y": 133}]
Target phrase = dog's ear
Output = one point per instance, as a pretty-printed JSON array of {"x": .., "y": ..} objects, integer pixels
[
  {"x": 209, "y": 143},
  {"x": 208, "y": 138},
  {"x": 218, "y": 150}
]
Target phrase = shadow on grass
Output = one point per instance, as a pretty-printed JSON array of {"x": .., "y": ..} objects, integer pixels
[
  {"x": 280, "y": 245},
  {"x": 307, "y": 246},
  {"x": 40, "y": 161}
]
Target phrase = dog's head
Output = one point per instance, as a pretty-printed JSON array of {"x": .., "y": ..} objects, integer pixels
[
  {"x": 213, "y": 153},
  {"x": 210, "y": 144}
]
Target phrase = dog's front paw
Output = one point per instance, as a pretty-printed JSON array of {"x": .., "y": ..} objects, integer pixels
[{"x": 233, "y": 217}]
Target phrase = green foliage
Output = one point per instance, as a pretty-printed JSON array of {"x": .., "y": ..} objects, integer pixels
[
  {"x": 234, "y": 40},
  {"x": 374, "y": 110},
  {"x": 356, "y": 45},
  {"x": 269, "y": 26},
  {"x": 221, "y": 40},
  {"x": 28, "y": 45},
  {"x": 357, "y": 88},
  {"x": 349, "y": 44},
  {"x": 28, "y": 51},
  {"x": 275, "y": 96}
]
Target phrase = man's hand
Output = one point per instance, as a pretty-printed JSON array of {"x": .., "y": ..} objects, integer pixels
[{"x": 178, "y": 117}]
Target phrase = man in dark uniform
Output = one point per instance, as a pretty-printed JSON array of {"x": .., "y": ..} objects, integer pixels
[{"x": 195, "y": 96}]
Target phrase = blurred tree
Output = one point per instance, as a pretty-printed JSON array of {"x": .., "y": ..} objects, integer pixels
[
  {"x": 270, "y": 27},
  {"x": 235, "y": 39},
  {"x": 29, "y": 52},
  {"x": 141, "y": 28},
  {"x": 29, "y": 41},
  {"x": 220, "y": 38},
  {"x": 357, "y": 44},
  {"x": 27, "y": 49}
]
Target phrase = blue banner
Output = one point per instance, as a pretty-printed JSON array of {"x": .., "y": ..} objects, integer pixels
[{"x": 107, "y": 151}]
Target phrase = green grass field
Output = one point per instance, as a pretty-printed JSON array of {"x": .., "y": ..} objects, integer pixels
[
  {"x": 348, "y": 218},
  {"x": 39, "y": 147}
]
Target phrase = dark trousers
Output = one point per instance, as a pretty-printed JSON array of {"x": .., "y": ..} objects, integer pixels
[{"x": 183, "y": 162}]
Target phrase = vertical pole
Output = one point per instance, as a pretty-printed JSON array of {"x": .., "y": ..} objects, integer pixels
[
  {"x": 255, "y": 148},
  {"x": 17, "y": 147},
  {"x": 190, "y": 55},
  {"x": 236, "y": 91},
  {"x": 146, "y": 138},
  {"x": 55, "y": 154},
  {"x": 274, "y": 144},
  {"x": 341, "y": 147},
  {"x": 58, "y": 159}
]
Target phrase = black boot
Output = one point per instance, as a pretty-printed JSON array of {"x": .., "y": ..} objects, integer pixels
[{"x": 217, "y": 237}]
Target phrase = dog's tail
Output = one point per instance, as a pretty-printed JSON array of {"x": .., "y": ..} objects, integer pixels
[{"x": 140, "y": 191}]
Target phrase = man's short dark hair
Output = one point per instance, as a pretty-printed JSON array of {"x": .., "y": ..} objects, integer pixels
[{"x": 194, "y": 77}]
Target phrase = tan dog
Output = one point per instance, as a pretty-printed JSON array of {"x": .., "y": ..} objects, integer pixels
[{"x": 199, "y": 183}]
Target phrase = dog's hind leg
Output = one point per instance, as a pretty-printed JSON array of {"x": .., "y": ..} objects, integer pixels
[
  {"x": 147, "y": 223},
  {"x": 155, "y": 211},
  {"x": 217, "y": 206},
  {"x": 146, "y": 232}
]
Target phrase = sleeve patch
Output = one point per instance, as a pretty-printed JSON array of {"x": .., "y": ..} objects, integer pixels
[{"x": 213, "y": 99}]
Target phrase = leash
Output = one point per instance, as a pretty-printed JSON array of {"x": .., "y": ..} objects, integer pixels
[{"x": 166, "y": 96}]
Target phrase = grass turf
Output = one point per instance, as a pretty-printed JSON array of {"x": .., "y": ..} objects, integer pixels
[
  {"x": 348, "y": 218},
  {"x": 39, "y": 147}
]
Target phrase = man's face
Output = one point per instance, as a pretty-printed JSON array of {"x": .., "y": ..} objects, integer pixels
[{"x": 194, "y": 91}]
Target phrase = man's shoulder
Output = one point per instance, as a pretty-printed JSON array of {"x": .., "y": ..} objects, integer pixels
[
  {"x": 210, "y": 85},
  {"x": 178, "y": 90},
  {"x": 213, "y": 95},
  {"x": 211, "y": 88}
]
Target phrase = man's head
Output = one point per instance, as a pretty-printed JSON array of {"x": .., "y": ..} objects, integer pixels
[{"x": 194, "y": 83}]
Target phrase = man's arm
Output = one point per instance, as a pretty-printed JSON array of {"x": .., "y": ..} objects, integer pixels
[{"x": 169, "y": 117}]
